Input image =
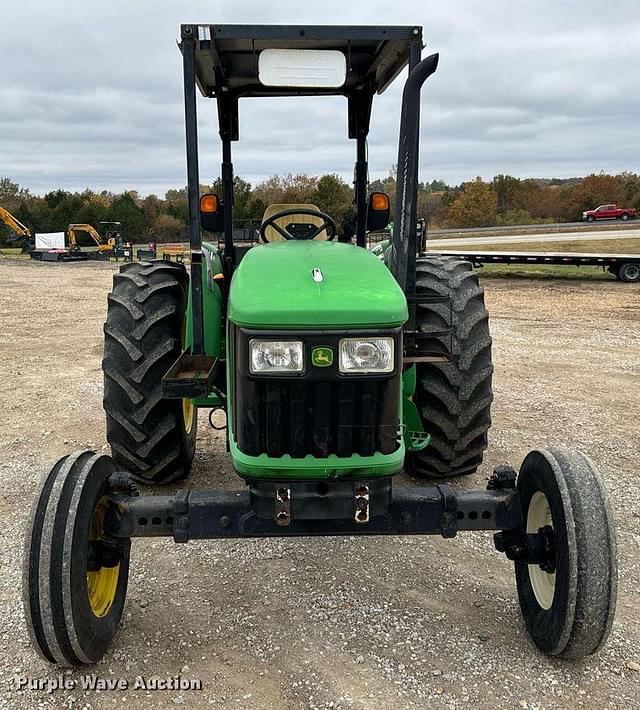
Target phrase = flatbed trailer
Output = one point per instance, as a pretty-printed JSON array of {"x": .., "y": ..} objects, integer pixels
[
  {"x": 626, "y": 267},
  {"x": 59, "y": 255}
]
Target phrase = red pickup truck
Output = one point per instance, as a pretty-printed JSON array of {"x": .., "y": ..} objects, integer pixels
[{"x": 609, "y": 212}]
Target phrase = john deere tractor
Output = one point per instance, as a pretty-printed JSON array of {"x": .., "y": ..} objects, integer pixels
[{"x": 336, "y": 368}]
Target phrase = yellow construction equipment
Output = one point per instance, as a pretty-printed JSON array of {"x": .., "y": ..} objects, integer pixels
[
  {"x": 104, "y": 244},
  {"x": 22, "y": 234}
]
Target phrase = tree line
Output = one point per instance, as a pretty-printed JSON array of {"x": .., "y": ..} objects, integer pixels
[{"x": 504, "y": 200}]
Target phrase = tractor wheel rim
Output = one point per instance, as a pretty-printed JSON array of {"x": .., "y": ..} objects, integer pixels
[
  {"x": 101, "y": 588},
  {"x": 543, "y": 583},
  {"x": 188, "y": 414},
  {"x": 633, "y": 272},
  {"x": 102, "y": 584},
  {"x": 188, "y": 410}
]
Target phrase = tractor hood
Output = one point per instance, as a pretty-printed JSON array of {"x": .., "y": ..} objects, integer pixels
[{"x": 314, "y": 284}]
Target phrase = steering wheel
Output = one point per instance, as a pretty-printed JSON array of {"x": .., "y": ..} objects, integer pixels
[{"x": 327, "y": 223}]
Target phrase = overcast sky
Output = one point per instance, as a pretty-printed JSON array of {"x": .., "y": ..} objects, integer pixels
[{"x": 91, "y": 94}]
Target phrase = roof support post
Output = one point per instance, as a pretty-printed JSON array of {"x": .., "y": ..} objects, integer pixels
[
  {"x": 361, "y": 179},
  {"x": 193, "y": 186},
  {"x": 359, "y": 107},
  {"x": 227, "y": 204}
]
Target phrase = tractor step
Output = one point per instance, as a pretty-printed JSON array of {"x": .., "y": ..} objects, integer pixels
[
  {"x": 429, "y": 346},
  {"x": 190, "y": 376}
]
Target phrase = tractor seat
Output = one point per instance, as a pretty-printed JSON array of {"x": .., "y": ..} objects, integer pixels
[{"x": 272, "y": 234}]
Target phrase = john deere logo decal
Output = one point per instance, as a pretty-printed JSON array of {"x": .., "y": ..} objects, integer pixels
[{"x": 322, "y": 357}]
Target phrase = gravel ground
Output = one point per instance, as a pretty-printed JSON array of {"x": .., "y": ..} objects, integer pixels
[{"x": 330, "y": 623}]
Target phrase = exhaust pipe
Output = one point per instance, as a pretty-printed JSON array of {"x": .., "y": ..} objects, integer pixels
[{"x": 407, "y": 178}]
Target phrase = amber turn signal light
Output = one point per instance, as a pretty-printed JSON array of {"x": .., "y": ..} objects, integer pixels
[
  {"x": 379, "y": 201},
  {"x": 209, "y": 203}
]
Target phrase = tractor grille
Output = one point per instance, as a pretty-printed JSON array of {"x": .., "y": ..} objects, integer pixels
[{"x": 319, "y": 414}]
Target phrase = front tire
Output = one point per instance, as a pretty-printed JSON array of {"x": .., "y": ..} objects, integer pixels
[
  {"x": 151, "y": 437},
  {"x": 591, "y": 218},
  {"x": 568, "y": 611},
  {"x": 624, "y": 217},
  {"x": 73, "y": 596},
  {"x": 453, "y": 398}
]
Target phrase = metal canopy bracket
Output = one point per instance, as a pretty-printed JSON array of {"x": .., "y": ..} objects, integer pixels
[
  {"x": 359, "y": 108},
  {"x": 228, "y": 117}
]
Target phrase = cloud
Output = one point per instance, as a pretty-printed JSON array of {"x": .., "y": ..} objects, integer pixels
[{"x": 91, "y": 93}]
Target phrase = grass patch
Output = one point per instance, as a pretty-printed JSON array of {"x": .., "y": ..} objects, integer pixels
[{"x": 13, "y": 253}]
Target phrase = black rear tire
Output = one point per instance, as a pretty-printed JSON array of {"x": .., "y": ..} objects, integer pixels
[
  {"x": 453, "y": 398},
  {"x": 568, "y": 611},
  {"x": 151, "y": 437}
]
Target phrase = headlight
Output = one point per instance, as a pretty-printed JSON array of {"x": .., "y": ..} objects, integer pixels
[
  {"x": 275, "y": 356},
  {"x": 360, "y": 355}
]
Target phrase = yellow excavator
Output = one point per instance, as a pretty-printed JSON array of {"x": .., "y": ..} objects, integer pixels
[
  {"x": 106, "y": 243},
  {"x": 21, "y": 235}
]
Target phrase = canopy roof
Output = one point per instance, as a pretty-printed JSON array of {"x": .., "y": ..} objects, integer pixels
[{"x": 226, "y": 56}]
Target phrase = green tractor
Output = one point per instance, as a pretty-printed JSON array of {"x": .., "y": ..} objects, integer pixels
[{"x": 336, "y": 368}]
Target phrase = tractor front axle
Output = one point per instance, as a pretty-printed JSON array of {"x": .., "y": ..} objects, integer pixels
[{"x": 281, "y": 509}]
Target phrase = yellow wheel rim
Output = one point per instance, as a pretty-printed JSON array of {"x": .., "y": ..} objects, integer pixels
[
  {"x": 188, "y": 410},
  {"x": 102, "y": 584},
  {"x": 188, "y": 414},
  {"x": 101, "y": 588}
]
